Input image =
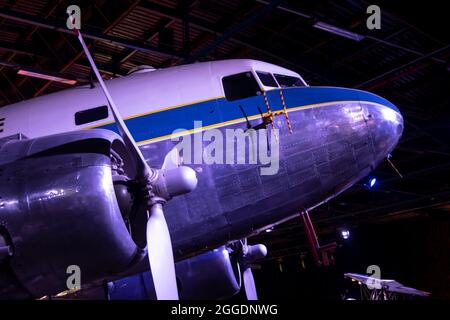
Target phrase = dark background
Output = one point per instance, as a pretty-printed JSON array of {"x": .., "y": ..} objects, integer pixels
[{"x": 414, "y": 252}]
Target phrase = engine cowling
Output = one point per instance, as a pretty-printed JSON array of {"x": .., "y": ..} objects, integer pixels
[
  {"x": 58, "y": 208},
  {"x": 212, "y": 275}
]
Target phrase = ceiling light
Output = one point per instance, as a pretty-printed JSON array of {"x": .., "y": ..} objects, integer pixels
[
  {"x": 338, "y": 31},
  {"x": 345, "y": 234},
  {"x": 46, "y": 76}
]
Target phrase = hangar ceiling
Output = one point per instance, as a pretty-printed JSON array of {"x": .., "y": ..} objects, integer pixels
[{"x": 407, "y": 61}]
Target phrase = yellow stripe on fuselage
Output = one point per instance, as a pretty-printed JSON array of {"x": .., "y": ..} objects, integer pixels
[
  {"x": 234, "y": 121},
  {"x": 156, "y": 111}
]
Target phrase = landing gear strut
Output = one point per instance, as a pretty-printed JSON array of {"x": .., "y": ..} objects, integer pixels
[{"x": 322, "y": 255}]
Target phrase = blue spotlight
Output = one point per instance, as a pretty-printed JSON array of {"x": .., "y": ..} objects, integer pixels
[{"x": 370, "y": 182}]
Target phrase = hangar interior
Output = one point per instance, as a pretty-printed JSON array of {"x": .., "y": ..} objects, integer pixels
[{"x": 400, "y": 224}]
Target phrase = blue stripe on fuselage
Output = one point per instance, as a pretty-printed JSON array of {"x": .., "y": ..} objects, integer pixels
[
  {"x": 217, "y": 111},
  {"x": 314, "y": 95}
]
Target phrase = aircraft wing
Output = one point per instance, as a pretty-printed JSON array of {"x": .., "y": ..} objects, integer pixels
[
  {"x": 388, "y": 284},
  {"x": 395, "y": 286}
]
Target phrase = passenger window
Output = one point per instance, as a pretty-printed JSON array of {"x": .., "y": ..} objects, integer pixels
[
  {"x": 288, "y": 81},
  {"x": 240, "y": 86},
  {"x": 267, "y": 79},
  {"x": 91, "y": 115}
]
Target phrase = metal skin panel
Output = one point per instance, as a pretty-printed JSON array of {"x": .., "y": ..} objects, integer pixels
[
  {"x": 60, "y": 210},
  {"x": 332, "y": 148}
]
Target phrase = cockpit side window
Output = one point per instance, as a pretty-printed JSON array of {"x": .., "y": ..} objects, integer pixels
[
  {"x": 288, "y": 81},
  {"x": 267, "y": 79},
  {"x": 91, "y": 115},
  {"x": 240, "y": 86}
]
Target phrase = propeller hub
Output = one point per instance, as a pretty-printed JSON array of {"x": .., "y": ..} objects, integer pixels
[
  {"x": 255, "y": 252},
  {"x": 175, "y": 182}
]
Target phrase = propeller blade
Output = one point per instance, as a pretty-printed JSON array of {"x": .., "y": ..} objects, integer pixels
[
  {"x": 142, "y": 167},
  {"x": 160, "y": 255},
  {"x": 249, "y": 284},
  {"x": 159, "y": 245},
  {"x": 248, "y": 254}
]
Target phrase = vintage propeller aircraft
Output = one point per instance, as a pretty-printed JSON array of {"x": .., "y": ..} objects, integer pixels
[{"x": 74, "y": 192}]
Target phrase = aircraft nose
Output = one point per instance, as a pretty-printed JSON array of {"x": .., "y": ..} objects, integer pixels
[{"x": 385, "y": 124}]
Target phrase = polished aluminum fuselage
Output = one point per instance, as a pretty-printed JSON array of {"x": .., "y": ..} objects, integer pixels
[{"x": 332, "y": 147}]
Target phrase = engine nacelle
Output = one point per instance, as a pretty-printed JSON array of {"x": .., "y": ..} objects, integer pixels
[
  {"x": 58, "y": 208},
  {"x": 211, "y": 275}
]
